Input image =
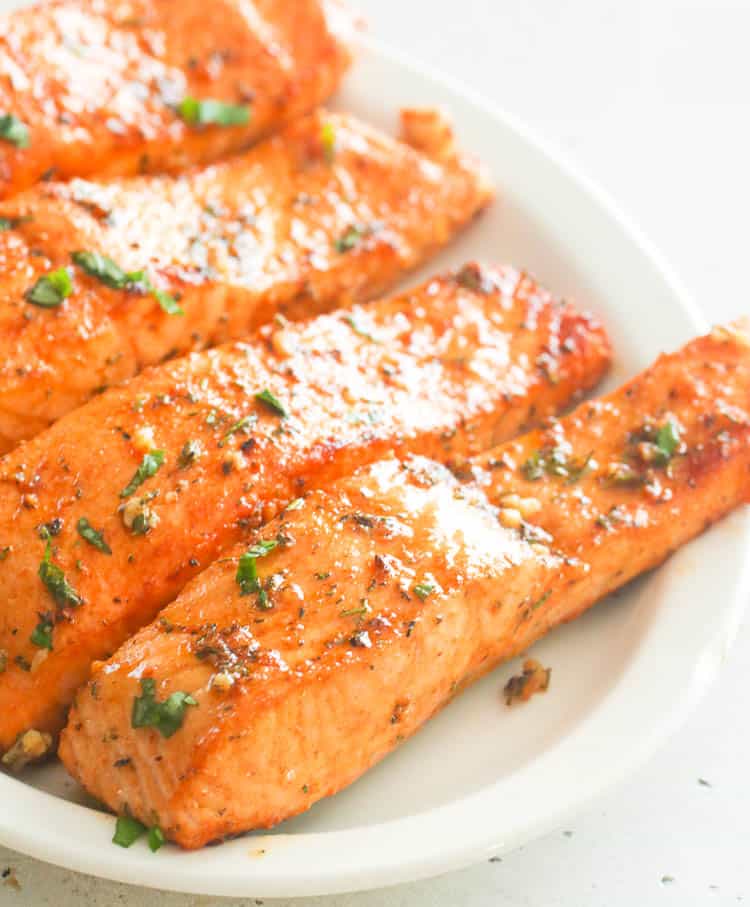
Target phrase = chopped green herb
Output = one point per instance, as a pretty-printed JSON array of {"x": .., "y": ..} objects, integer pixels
[
  {"x": 168, "y": 303},
  {"x": 143, "y": 521},
  {"x": 210, "y": 112},
  {"x": 667, "y": 440},
  {"x": 247, "y": 570},
  {"x": 328, "y": 140},
  {"x": 92, "y": 536},
  {"x": 364, "y": 608},
  {"x": 166, "y": 716},
  {"x": 292, "y": 505},
  {"x": 105, "y": 270},
  {"x": 156, "y": 838},
  {"x": 10, "y": 223},
  {"x": 42, "y": 635},
  {"x": 190, "y": 452},
  {"x": 150, "y": 465},
  {"x": 272, "y": 402},
  {"x": 127, "y": 831},
  {"x": 350, "y": 238},
  {"x": 358, "y": 330},
  {"x": 4, "y": 552},
  {"x": 555, "y": 461},
  {"x": 14, "y": 131},
  {"x": 113, "y": 276},
  {"x": 239, "y": 425},
  {"x": 50, "y": 290},
  {"x": 424, "y": 589},
  {"x": 58, "y": 587}
]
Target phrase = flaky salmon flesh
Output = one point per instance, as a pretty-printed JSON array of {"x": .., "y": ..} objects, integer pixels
[
  {"x": 306, "y": 654},
  {"x": 102, "y": 279},
  {"x": 106, "y": 515},
  {"x": 102, "y": 87}
]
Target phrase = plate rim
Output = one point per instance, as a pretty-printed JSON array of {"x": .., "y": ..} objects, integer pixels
[{"x": 186, "y": 872}]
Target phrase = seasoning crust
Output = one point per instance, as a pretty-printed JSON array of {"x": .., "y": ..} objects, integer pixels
[
  {"x": 107, "y": 514},
  {"x": 392, "y": 589}
]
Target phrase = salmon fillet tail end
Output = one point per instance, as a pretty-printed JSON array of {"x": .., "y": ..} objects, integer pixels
[{"x": 313, "y": 648}]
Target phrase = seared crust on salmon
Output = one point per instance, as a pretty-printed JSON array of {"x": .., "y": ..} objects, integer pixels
[
  {"x": 328, "y": 212},
  {"x": 380, "y": 596},
  {"x": 170, "y": 469},
  {"x": 98, "y": 87}
]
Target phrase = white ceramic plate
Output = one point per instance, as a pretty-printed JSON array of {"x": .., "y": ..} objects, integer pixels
[{"x": 479, "y": 779}]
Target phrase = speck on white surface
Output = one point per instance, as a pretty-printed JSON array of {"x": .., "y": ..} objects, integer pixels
[{"x": 652, "y": 99}]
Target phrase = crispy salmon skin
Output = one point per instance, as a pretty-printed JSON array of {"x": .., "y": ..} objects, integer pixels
[
  {"x": 105, "y": 516},
  {"x": 332, "y": 634},
  {"x": 102, "y": 279},
  {"x": 98, "y": 87}
]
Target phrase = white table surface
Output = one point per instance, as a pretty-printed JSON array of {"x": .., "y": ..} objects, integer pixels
[{"x": 652, "y": 98}]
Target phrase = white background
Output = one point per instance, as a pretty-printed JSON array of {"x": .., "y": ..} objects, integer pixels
[{"x": 652, "y": 99}]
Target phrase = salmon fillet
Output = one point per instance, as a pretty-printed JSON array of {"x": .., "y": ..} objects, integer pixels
[
  {"x": 118, "y": 88},
  {"x": 306, "y": 221},
  {"x": 379, "y": 597},
  {"x": 170, "y": 469}
]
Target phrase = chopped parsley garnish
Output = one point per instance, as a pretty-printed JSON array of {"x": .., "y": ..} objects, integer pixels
[
  {"x": 350, "y": 238},
  {"x": 424, "y": 589},
  {"x": 190, "y": 452},
  {"x": 10, "y": 223},
  {"x": 359, "y": 331},
  {"x": 156, "y": 838},
  {"x": 105, "y": 270},
  {"x": 14, "y": 131},
  {"x": 247, "y": 569},
  {"x": 58, "y": 587},
  {"x": 127, "y": 831},
  {"x": 328, "y": 140},
  {"x": 144, "y": 521},
  {"x": 42, "y": 635},
  {"x": 555, "y": 461},
  {"x": 92, "y": 536},
  {"x": 150, "y": 465},
  {"x": 168, "y": 303},
  {"x": 209, "y": 112},
  {"x": 112, "y": 275},
  {"x": 166, "y": 716},
  {"x": 267, "y": 398},
  {"x": 239, "y": 425},
  {"x": 667, "y": 440},
  {"x": 50, "y": 290}
]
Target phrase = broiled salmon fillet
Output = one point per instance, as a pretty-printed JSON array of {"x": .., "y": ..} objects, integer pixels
[
  {"x": 98, "y": 87},
  {"x": 105, "y": 516},
  {"x": 304, "y": 656},
  {"x": 329, "y": 211}
]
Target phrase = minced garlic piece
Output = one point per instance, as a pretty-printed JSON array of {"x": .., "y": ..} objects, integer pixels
[
  {"x": 143, "y": 438},
  {"x": 29, "y": 747},
  {"x": 222, "y": 682}
]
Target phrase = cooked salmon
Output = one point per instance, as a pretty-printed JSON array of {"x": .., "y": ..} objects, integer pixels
[
  {"x": 106, "y": 515},
  {"x": 306, "y": 654},
  {"x": 98, "y": 87},
  {"x": 102, "y": 279}
]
